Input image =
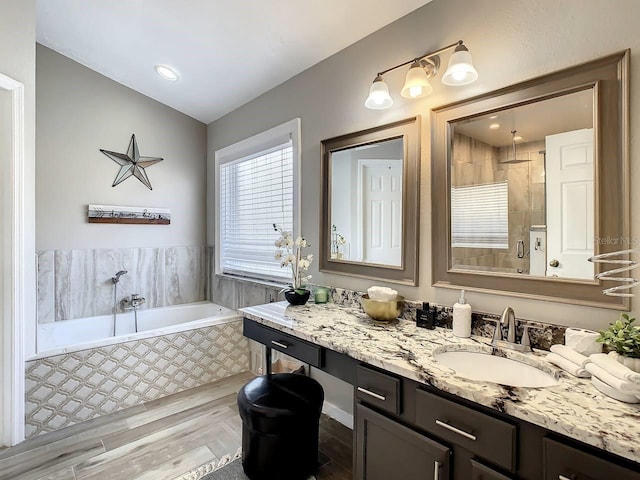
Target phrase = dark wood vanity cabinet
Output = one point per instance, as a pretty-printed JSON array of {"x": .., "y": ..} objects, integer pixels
[
  {"x": 388, "y": 450},
  {"x": 482, "y": 472},
  {"x": 283, "y": 342},
  {"x": 378, "y": 389},
  {"x": 562, "y": 462},
  {"x": 411, "y": 431},
  {"x": 481, "y": 434},
  {"x": 482, "y": 444}
]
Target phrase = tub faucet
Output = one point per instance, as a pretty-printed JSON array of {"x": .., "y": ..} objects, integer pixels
[{"x": 134, "y": 302}]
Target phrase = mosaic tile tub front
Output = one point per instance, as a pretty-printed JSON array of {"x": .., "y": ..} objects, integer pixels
[{"x": 63, "y": 390}]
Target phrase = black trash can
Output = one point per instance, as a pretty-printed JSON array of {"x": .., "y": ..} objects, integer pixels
[{"x": 280, "y": 417}]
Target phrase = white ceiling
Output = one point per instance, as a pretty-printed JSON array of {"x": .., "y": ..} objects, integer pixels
[
  {"x": 228, "y": 52},
  {"x": 533, "y": 121}
]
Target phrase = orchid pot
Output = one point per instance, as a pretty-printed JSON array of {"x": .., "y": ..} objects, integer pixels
[
  {"x": 289, "y": 253},
  {"x": 298, "y": 296}
]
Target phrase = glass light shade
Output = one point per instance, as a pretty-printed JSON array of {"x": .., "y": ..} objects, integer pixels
[
  {"x": 416, "y": 83},
  {"x": 379, "y": 97},
  {"x": 460, "y": 70}
]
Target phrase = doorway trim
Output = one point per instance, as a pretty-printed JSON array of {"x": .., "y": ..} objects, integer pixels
[{"x": 12, "y": 309}]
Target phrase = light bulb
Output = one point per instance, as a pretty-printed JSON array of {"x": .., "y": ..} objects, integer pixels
[
  {"x": 379, "y": 97},
  {"x": 461, "y": 70},
  {"x": 416, "y": 83},
  {"x": 415, "y": 91}
]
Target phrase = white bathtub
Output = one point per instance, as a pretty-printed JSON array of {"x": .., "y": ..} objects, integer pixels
[
  {"x": 81, "y": 371},
  {"x": 84, "y": 333}
]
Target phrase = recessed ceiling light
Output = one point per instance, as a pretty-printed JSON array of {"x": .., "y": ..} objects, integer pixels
[
  {"x": 493, "y": 117},
  {"x": 167, "y": 72},
  {"x": 517, "y": 138},
  {"x": 494, "y": 126}
]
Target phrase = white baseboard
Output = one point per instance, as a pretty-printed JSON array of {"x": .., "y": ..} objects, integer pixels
[{"x": 338, "y": 414}]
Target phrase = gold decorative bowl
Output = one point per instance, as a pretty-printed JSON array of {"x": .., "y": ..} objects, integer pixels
[{"x": 383, "y": 311}]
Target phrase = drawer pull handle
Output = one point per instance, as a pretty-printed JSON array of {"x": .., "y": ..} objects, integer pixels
[
  {"x": 456, "y": 430},
  {"x": 436, "y": 470},
  {"x": 373, "y": 394},
  {"x": 278, "y": 344},
  {"x": 562, "y": 477}
]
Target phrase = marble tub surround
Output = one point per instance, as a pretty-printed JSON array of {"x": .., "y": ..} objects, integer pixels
[
  {"x": 542, "y": 336},
  {"x": 573, "y": 407},
  {"x": 77, "y": 283}
]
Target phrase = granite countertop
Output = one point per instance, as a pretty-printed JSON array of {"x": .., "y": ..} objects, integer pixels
[{"x": 573, "y": 407}]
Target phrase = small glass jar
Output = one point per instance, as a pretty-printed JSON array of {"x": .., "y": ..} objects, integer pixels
[{"x": 321, "y": 295}]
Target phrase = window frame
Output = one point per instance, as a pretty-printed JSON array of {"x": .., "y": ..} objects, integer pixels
[{"x": 251, "y": 146}]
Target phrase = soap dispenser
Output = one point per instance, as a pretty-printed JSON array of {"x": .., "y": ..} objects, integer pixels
[{"x": 462, "y": 317}]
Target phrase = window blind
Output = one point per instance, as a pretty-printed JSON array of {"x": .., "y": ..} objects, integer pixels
[
  {"x": 480, "y": 216},
  {"x": 256, "y": 191}
]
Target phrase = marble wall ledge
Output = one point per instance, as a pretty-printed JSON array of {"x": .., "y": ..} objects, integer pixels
[{"x": 573, "y": 407}]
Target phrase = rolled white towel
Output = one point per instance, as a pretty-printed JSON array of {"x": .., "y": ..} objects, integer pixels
[
  {"x": 612, "y": 381},
  {"x": 570, "y": 354},
  {"x": 568, "y": 366},
  {"x": 609, "y": 391},
  {"x": 614, "y": 367},
  {"x": 382, "y": 294}
]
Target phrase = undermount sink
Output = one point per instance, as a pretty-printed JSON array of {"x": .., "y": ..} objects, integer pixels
[{"x": 491, "y": 368}]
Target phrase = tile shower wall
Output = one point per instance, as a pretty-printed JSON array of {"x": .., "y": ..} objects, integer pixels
[
  {"x": 66, "y": 389},
  {"x": 475, "y": 163},
  {"x": 77, "y": 283}
]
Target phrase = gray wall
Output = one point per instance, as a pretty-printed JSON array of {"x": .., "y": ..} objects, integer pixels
[
  {"x": 510, "y": 42},
  {"x": 80, "y": 111}
]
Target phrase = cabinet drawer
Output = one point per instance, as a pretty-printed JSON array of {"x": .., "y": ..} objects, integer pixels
[
  {"x": 283, "y": 342},
  {"x": 482, "y": 472},
  {"x": 487, "y": 437},
  {"x": 378, "y": 389},
  {"x": 562, "y": 462}
]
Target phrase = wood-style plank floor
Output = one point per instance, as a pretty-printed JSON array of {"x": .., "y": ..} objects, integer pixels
[{"x": 159, "y": 440}]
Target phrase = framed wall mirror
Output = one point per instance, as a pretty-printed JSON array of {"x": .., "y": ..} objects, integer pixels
[
  {"x": 532, "y": 180},
  {"x": 370, "y": 203}
]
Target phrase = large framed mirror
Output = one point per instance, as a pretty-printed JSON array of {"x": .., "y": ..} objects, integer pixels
[
  {"x": 531, "y": 181},
  {"x": 370, "y": 203}
]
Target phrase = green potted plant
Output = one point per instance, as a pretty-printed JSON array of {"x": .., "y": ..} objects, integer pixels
[
  {"x": 289, "y": 253},
  {"x": 623, "y": 337}
]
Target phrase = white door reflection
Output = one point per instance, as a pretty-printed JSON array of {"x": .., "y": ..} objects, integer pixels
[{"x": 366, "y": 203}]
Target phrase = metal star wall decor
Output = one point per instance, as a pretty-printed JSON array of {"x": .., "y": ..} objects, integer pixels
[{"x": 131, "y": 163}]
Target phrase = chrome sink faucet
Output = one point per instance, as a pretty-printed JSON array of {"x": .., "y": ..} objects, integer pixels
[{"x": 508, "y": 318}]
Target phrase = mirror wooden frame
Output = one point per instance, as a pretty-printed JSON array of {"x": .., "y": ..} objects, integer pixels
[
  {"x": 407, "y": 272},
  {"x": 609, "y": 77}
]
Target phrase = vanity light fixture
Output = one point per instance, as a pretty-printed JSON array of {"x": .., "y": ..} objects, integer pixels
[
  {"x": 167, "y": 72},
  {"x": 460, "y": 71}
]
